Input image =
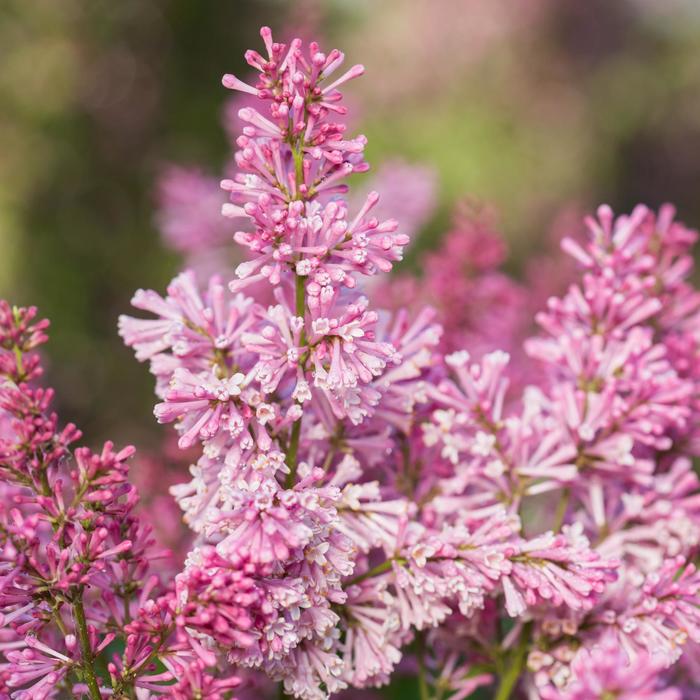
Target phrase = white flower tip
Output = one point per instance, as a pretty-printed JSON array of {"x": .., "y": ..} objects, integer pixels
[
  {"x": 231, "y": 211},
  {"x": 458, "y": 359},
  {"x": 497, "y": 357}
]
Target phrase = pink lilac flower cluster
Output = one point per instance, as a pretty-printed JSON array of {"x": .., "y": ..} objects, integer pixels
[
  {"x": 479, "y": 306},
  {"x": 363, "y": 501},
  {"x": 189, "y": 200},
  {"x": 81, "y": 615}
]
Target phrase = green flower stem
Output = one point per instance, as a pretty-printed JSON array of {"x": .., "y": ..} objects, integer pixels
[
  {"x": 293, "y": 449},
  {"x": 562, "y": 507},
  {"x": 376, "y": 571},
  {"x": 423, "y": 691},
  {"x": 85, "y": 650},
  {"x": 513, "y": 665}
]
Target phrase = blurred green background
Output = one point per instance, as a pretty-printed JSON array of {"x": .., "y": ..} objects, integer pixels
[{"x": 540, "y": 106}]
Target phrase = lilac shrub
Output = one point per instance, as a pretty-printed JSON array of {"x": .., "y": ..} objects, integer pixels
[{"x": 367, "y": 499}]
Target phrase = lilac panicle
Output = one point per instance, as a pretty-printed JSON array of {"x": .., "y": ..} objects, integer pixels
[{"x": 74, "y": 570}]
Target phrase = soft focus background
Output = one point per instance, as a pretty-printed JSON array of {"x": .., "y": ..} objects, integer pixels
[{"x": 542, "y": 108}]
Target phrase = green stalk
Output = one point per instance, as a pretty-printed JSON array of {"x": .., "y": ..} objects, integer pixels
[
  {"x": 298, "y": 155},
  {"x": 515, "y": 663},
  {"x": 292, "y": 454},
  {"x": 423, "y": 690},
  {"x": 85, "y": 650},
  {"x": 376, "y": 571},
  {"x": 293, "y": 449},
  {"x": 18, "y": 361},
  {"x": 300, "y": 302},
  {"x": 561, "y": 510}
]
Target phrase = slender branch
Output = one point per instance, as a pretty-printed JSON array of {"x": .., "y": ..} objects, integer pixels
[
  {"x": 56, "y": 612},
  {"x": 423, "y": 690},
  {"x": 300, "y": 301},
  {"x": 376, "y": 571},
  {"x": 19, "y": 362},
  {"x": 293, "y": 449},
  {"x": 292, "y": 454},
  {"x": 562, "y": 507},
  {"x": 329, "y": 459},
  {"x": 298, "y": 156},
  {"x": 513, "y": 666},
  {"x": 85, "y": 649}
]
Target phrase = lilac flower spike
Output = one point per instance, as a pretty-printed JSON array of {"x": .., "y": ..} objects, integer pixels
[{"x": 75, "y": 558}]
